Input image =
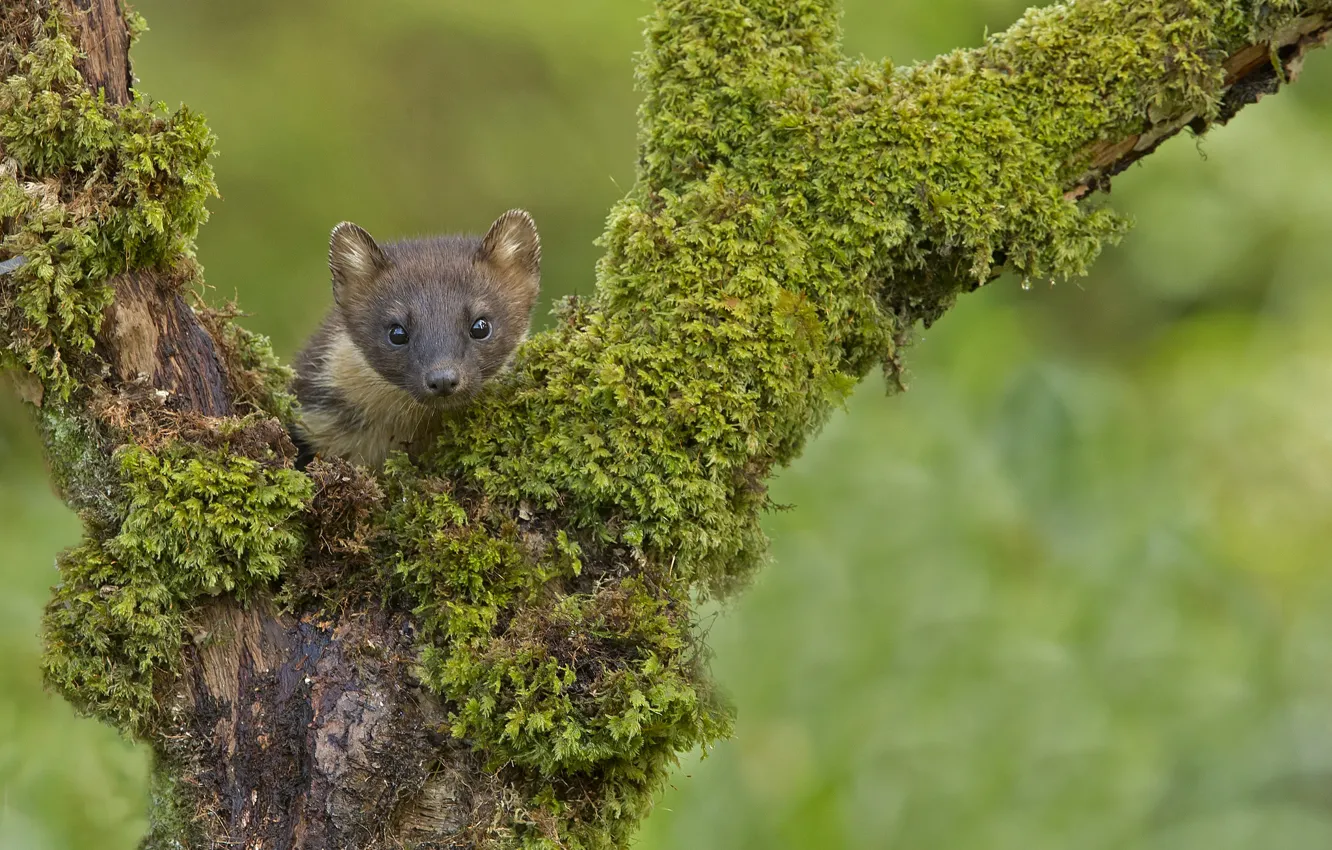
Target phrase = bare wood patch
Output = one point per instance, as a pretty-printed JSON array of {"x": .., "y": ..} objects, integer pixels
[{"x": 105, "y": 41}]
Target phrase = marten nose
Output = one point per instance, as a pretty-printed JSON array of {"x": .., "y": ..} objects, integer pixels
[{"x": 442, "y": 381}]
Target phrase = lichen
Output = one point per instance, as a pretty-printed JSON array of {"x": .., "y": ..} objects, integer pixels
[
  {"x": 80, "y": 464},
  {"x": 90, "y": 189},
  {"x": 173, "y": 821}
]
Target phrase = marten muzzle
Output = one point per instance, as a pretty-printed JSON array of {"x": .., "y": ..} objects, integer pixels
[{"x": 443, "y": 382}]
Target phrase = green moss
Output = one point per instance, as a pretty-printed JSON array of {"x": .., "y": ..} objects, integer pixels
[
  {"x": 97, "y": 189},
  {"x": 173, "y": 822},
  {"x": 652, "y": 420},
  {"x": 583, "y": 696},
  {"x": 796, "y": 215},
  {"x": 80, "y": 464},
  {"x": 136, "y": 24},
  {"x": 196, "y": 523},
  {"x": 260, "y": 382}
]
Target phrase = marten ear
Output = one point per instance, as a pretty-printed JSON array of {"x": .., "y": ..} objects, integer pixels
[
  {"x": 355, "y": 261},
  {"x": 512, "y": 249}
]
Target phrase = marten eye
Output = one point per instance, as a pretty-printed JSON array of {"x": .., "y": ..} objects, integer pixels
[
  {"x": 398, "y": 335},
  {"x": 481, "y": 329}
]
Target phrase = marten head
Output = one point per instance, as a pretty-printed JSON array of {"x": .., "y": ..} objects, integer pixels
[{"x": 438, "y": 317}]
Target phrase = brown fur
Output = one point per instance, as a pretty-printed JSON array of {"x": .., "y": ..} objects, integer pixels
[{"x": 361, "y": 395}]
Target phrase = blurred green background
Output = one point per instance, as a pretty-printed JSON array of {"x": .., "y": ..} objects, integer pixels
[{"x": 1073, "y": 590}]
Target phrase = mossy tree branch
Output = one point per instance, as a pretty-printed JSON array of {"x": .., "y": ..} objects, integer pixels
[{"x": 495, "y": 643}]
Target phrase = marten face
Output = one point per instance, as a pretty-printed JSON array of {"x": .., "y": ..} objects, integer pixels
[{"x": 438, "y": 317}]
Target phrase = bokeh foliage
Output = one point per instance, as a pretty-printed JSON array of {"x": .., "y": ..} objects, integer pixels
[{"x": 1067, "y": 591}]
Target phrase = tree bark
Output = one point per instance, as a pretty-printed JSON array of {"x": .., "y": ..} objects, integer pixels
[
  {"x": 289, "y": 729},
  {"x": 1251, "y": 73},
  {"x": 303, "y": 711}
]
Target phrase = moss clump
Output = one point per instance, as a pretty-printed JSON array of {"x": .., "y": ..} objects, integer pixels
[
  {"x": 95, "y": 189},
  {"x": 796, "y": 215},
  {"x": 197, "y": 522},
  {"x": 652, "y": 419},
  {"x": 581, "y": 691},
  {"x": 260, "y": 382}
]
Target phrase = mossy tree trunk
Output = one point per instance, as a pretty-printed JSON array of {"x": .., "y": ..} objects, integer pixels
[{"x": 495, "y": 643}]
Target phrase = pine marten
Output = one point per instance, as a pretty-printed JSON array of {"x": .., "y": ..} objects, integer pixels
[{"x": 417, "y": 328}]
